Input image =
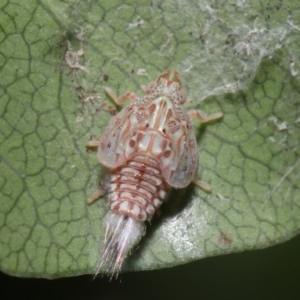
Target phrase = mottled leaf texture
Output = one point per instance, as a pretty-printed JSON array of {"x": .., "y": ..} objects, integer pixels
[{"x": 234, "y": 57}]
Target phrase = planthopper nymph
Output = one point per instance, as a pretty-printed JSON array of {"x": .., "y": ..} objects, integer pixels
[{"x": 148, "y": 147}]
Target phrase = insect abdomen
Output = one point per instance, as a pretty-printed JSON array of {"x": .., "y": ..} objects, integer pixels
[{"x": 137, "y": 188}]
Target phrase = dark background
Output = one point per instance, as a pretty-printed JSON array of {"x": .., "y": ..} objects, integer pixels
[{"x": 272, "y": 273}]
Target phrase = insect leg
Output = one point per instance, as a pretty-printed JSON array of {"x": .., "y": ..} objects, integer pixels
[
  {"x": 101, "y": 190},
  {"x": 99, "y": 193},
  {"x": 92, "y": 144},
  {"x": 202, "y": 185},
  {"x": 120, "y": 100},
  {"x": 203, "y": 117}
]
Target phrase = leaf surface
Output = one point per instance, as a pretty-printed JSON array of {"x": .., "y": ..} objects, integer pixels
[{"x": 55, "y": 59}]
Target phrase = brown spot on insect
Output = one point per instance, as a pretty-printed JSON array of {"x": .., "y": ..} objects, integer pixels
[
  {"x": 167, "y": 153},
  {"x": 132, "y": 143}
]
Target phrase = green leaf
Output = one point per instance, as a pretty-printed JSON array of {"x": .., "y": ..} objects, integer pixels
[{"x": 233, "y": 57}]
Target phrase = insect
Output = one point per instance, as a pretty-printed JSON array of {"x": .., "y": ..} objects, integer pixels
[{"x": 148, "y": 147}]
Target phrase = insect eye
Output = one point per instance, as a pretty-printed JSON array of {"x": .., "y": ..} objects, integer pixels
[
  {"x": 147, "y": 125},
  {"x": 164, "y": 130}
]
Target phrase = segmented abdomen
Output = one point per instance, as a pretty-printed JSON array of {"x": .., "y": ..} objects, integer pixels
[{"x": 137, "y": 188}]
